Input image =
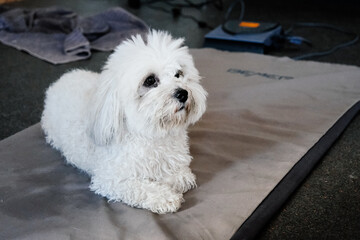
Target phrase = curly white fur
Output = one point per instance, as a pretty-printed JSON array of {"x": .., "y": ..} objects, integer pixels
[{"x": 128, "y": 136}]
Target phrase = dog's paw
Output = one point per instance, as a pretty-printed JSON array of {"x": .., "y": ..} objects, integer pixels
[
  {"x": 142, "y": 193},
  {"x": 167, "y": 202},
  {"x": 182, "y": 182}
]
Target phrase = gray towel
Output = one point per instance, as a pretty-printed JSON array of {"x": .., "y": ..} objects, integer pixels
[{"x": 59, "y": 35}]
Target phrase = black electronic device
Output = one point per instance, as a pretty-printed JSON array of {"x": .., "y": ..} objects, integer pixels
[{"x": 243, "y": 42}]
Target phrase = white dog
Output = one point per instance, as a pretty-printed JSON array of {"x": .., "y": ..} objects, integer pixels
[{"x": 126, "y": 126}]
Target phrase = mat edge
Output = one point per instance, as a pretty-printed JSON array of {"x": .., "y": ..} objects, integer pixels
[{"x": 294, "y": 178}]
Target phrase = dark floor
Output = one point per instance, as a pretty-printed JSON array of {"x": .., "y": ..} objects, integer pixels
[{"x": 327, "y": 205}]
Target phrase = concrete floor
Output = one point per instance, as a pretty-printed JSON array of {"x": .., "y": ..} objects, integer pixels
[{"x": 326, "y": 206}]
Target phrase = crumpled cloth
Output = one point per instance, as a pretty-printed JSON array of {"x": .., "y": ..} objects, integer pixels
[{"x": 58, "y": 35}]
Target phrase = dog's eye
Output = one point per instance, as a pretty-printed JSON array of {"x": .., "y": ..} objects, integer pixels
[
  {"x": 178, "y": 74},
  {"x": 150, "y": 81}
]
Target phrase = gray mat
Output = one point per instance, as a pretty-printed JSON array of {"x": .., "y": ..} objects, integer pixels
[{"x": 264, "y": 115}]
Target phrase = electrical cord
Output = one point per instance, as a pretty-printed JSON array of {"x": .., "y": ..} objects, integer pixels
[
  {"x": 189, "y": 4},
  {"x": 299, "y": 40},
  {"x": 176, "y": 10},
  {"x": 229, "y": 11}
]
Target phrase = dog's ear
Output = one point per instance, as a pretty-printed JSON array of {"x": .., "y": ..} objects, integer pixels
[{"x": 106, "y": 113}]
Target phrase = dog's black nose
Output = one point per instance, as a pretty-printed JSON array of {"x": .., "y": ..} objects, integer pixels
[{"x": 181, "y": 95}]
